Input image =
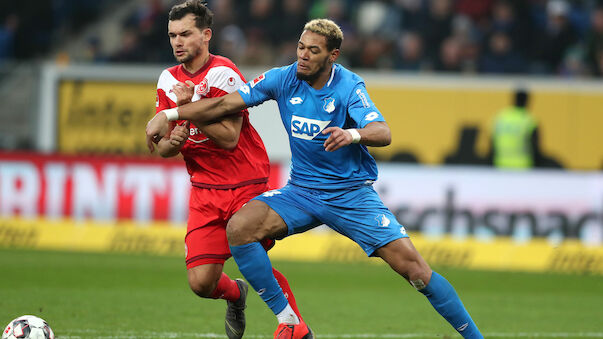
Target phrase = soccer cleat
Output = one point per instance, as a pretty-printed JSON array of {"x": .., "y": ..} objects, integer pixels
[
  {"x": 235, "y": 313},
  {"x": 289, "y": 331}
]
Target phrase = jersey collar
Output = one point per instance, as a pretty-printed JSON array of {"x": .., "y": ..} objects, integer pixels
[{"x": 201, "y": 70}]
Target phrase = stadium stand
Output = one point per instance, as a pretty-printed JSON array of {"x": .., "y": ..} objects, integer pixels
[
  {"x": 464, "y": 36},
  {"x": 544, "y": 37}
]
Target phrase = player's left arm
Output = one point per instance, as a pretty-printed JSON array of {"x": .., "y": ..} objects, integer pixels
[
  {"x": 371, "y": 128},
  {"x": 376, "y": 134}
]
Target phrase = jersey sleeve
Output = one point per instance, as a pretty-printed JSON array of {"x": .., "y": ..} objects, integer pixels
[
  {"x": 262, "y": 88},
  {"x": 361, "y": 108},
  {"x": 225, "y": 80},
  {"x": 162, "y": 101}
]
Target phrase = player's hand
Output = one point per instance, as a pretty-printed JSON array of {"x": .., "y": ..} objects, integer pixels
[
  {"x": 179, "y": 134},
  {"x": 338, "y": 138},
  {"x": 184, "y": 92},
  {"x": 156, "y": 129}
]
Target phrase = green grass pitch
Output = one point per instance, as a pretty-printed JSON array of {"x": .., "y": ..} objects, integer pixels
[{"x": 86, "y": 295}]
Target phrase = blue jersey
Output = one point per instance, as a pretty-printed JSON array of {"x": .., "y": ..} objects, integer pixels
[{"x": 306, "y": 112}]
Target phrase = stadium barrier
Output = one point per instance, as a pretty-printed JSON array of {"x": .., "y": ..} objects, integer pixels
[
  {"x": 501, "y": 253},
  {"x": 461, "y": 216},
  {"x": 101, "y": 188},
  {"x": 103, "y": 109}
]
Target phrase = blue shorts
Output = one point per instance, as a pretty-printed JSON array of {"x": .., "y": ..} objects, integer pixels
[{"x": 358, "y": 213}]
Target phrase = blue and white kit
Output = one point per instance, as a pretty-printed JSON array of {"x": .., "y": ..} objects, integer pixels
[{"x": 334, "y": 188}]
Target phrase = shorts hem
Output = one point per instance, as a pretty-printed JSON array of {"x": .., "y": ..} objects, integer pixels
[
  {"x": 206, "y": 259},
  {"x": 276, "y": 208}
]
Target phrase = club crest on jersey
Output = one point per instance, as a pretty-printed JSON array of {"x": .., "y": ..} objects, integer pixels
[
  {"x": 203, "y": 87},
  {"x": 231, "y": 81},
  {"x": 383, "y": 221},
  {"x": 329, "y": 105},
  {"x": 257, "y": 80},
  {"x": 305, "y": 128}
]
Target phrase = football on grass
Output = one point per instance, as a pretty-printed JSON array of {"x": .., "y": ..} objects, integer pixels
[{"x": 28, "y": 327}]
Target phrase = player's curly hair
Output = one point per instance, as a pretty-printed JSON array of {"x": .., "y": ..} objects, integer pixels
[
  {"x": 204, "y": 17},
  {"x": 328, "y": 29}
]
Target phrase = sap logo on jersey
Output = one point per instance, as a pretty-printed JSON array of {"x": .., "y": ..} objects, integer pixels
[{"x": 305, "y": 128}]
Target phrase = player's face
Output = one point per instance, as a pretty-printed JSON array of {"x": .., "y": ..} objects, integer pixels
[
  {"x": 187, "y": 40},
  {"x": 313, "y": 56}
]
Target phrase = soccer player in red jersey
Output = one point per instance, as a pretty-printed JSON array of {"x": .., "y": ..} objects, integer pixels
[{"x": 226, "y": 159}]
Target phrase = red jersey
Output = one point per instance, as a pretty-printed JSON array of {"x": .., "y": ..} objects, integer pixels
[{"x": 209, "y": 165}]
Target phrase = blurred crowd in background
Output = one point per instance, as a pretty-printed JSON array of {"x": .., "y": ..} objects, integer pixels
[{"x": 538, "y": 37}]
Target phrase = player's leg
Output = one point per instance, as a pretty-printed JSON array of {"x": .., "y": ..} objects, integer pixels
[
  {"x": 403, "y": 258},
  {"x": 206, "y": 245},
  {"x": 207, "y": 250},
  {"x": 208, "y": 281},
  {"x": 361, "y": 215},
  {"x": 253, "y": 222},
  {"x": 284, "y": 284},
  {"x": 246, "y": 228},
  {"x": 280, "y": 278}
]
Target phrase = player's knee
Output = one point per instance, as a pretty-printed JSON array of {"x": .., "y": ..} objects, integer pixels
[
  {"x": 202, "y": 286},
  {"x": 407, "y": 262},
  {"x": 239, "y": 233},
  {"x": 201, "y": 283}
]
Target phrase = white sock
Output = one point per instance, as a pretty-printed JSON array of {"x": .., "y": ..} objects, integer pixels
[{"x": 287, "y": 316}]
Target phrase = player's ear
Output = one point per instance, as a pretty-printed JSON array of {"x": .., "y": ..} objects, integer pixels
[
  {"x": 334, "y": 55},
  {"x": 206, "y": 33}
]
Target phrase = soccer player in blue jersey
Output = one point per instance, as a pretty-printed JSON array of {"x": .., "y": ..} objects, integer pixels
[{"x": 330, "y": 120}]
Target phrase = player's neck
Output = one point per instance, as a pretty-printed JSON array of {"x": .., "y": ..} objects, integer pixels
[
  {"x": 322, "y": 78},
  {"x": 197, "y": 63}
]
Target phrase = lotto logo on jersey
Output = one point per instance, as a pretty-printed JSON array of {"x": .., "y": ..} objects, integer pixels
[
  {"x": 307, "y": 129},
  {"x": 257, "y": 80},
  {"x": 271, "y": 193}
]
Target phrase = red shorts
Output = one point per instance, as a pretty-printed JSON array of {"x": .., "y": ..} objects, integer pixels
[{"x": 209, "y": 212}]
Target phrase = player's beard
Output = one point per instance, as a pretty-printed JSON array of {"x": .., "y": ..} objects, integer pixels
[
  {"x": 188, "y": 57},
  {"x": 311, "y": 77}
]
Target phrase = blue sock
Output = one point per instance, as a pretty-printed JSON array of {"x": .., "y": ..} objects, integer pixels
[
  {"x": 255, "y": 266},
  {"x": 444, "y": 299}
]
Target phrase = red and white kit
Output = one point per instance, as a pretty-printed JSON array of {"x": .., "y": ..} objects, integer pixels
[{"x": 223, "y": 180}]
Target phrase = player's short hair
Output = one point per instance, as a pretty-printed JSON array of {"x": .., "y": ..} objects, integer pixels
[
  {"x": 204, "y": 17},
  {"x": 327, "y": 28}
]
